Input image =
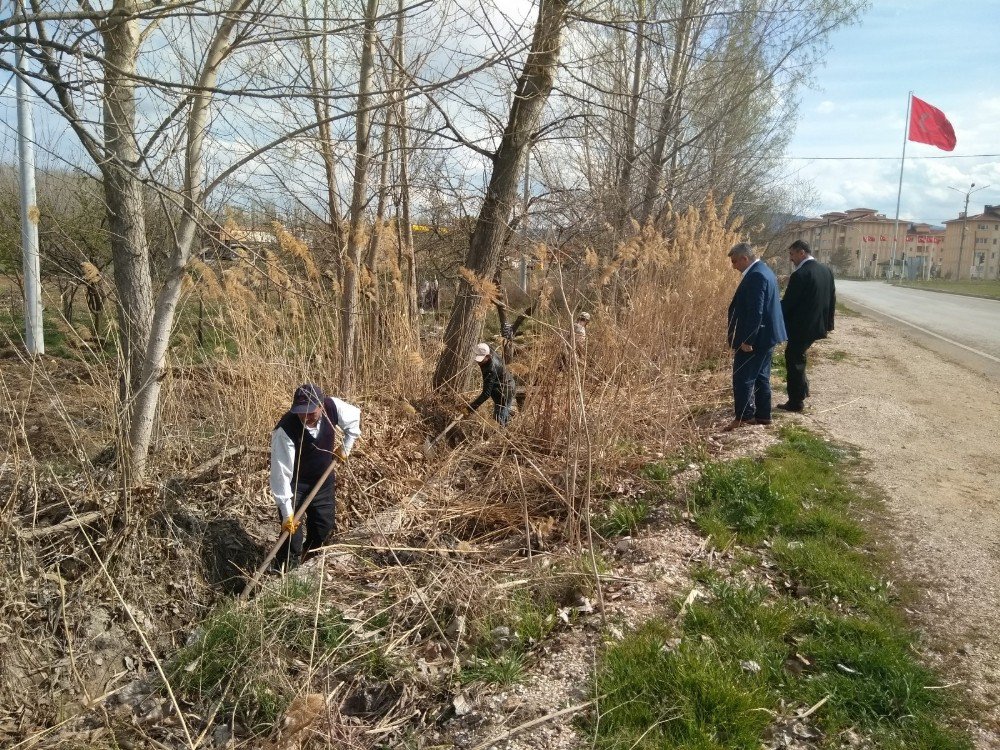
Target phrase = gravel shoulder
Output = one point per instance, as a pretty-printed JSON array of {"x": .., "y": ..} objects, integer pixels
[{"x": 930, "y": 430}]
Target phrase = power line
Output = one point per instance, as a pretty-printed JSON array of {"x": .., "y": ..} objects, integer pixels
[{"x": 887, "y": 158}]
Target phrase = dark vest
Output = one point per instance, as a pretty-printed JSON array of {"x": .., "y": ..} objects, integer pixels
[{"x": 312, "y": 454}]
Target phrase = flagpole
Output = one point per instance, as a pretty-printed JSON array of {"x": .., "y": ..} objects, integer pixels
[{"x": 899, "y": 192}]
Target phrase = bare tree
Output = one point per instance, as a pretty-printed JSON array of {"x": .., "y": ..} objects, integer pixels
[
  {"x": 110, "y": 48},
  {"x": 352, "y": 270},
  {"x": 660, "y": 101},
  {"x": 404, "y": 227},
  {"x": 632, "y": 118},
  {"x": 145, "y": 316},
  {"x": 687, "y": 29},
  {"x": 533, "y": 87},
  {"x": 318, "y": 61}
]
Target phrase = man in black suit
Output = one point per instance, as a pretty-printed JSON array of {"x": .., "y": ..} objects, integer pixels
[{"x": 808, "y": 308}]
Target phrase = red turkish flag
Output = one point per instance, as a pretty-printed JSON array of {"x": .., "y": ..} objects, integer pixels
[{"x": 929, "y": 125}]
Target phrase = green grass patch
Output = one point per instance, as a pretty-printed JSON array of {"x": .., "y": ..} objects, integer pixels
[
  {"x": 831, "y": 570},
  {"x": 503, "y": 669},
  {"x": 845, "y": 311},
  {"x": 817, "y": 624},
  {"x": 622, "y": 517},
  {"x": 56, "y": 335},
  {"x": 968, "y": 287},
  {"x": 503, "y": 636},
  {"x": 659, "y": 472},
  {"x": 242, "y": 655},
  {"x": 738, "y": 497},
  {"x": 868, "y": 670},
  {"x": 659, "y": 695},
  {"x": 76, "y": 340}
]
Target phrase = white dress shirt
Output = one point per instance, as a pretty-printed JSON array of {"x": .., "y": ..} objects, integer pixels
[
  {"x": 804, "y": 261},
  {"x": 283, "y": 453}
]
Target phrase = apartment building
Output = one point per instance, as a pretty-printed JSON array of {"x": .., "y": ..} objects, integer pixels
[
  {"x": 859, "y": 242},
  {"x": 977, "y": 256}
]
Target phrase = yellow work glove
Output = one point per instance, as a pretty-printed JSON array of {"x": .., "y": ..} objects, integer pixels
[
  {"x": 339, "y": 453},
  {"x": 290, "y": 525}
]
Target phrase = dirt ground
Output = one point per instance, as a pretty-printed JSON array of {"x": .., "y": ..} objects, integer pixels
[{"x": 931, "y": 432}]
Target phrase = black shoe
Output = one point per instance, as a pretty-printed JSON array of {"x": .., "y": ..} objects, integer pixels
[
  {"x": 763, "y": 422},
  {"x": 282, "y": 565},
  {"x": 789, "y": 406}
]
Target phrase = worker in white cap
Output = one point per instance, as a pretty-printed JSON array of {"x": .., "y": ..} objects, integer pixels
[{"x": 497, "y": 384}]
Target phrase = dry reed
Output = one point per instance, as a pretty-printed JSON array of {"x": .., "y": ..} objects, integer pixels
[{"x": 481, "y": 510}]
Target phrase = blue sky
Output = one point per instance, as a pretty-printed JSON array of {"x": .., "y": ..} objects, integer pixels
[{"x": 948, "y": 54}]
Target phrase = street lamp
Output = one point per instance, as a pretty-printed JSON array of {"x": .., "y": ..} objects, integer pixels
[{"x": 965, "y": 220}]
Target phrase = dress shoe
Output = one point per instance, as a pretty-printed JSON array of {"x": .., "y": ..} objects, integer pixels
[
  {"x": 736, "y": 424},
  {"x": 763, "y": 422},
  {"x": 789, "y": 406}
]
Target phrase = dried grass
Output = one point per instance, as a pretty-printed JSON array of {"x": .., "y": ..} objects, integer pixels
[{"x": 499, "y": 517}]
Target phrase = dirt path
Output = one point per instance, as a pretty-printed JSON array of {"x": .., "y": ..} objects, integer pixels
[{"x": 931, "y": 430}]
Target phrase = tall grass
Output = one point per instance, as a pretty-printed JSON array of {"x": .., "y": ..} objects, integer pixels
[
  {"x": 658, "y": 316},
  {"x": 248, "y": 331}
]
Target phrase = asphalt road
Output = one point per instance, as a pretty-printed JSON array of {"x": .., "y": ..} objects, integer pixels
[{"x": 966, "y": 329}]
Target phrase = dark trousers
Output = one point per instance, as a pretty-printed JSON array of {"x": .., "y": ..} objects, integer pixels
[
  {"x": 795, "y": 363},
  {"x": 503, "y": 407},
  {"x": 752, "y": 384},
  {"x": 320, "y": 521}
]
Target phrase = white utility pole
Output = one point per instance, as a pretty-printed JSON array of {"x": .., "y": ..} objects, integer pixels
[{"x": 33, "y": 337}]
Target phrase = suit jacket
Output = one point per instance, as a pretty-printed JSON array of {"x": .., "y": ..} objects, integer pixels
[
  {"x": 755, "y": 312},
  {"x": 809, "y": 303}
]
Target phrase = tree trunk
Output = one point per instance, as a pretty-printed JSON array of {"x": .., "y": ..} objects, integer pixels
[
  {"x": 371, "y": 258},
  {"x": 533, "y": 87},
  {"x": 147, "y": 393},
  {"x": 404, "y": 229},
  {"x": 669, "y": 124},
  {"x": 632, "y": 118},
  {"x": 349, "y": 317},
  {"x": 125, "y": 205},
  {"x": 319, "y": 74}
]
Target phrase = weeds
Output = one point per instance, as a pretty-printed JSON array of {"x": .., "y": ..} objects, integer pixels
[
  {"x": 779, "y": 368},
  {"x": 739, "y": 497},
  {"x": 505, "y": 669},
  {"x": 504, "y": 637},
  {"x": 623, "y": 517},
  {"x": 240, "y": 655}
]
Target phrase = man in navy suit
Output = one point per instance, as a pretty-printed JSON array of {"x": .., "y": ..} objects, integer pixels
[
  {"x": 808, "y": 308},
  {"x": 756, "y": 326}
]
